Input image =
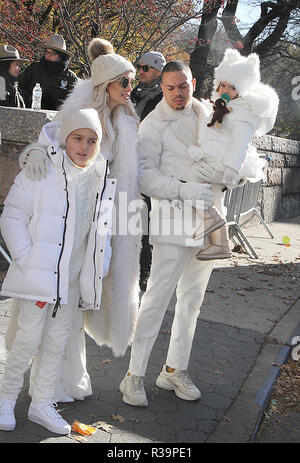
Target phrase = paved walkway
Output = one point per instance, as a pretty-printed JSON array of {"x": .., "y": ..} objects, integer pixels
[{"x": 250, "y": 310}]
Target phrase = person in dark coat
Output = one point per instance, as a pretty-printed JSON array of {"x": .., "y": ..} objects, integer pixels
[
  {"x": 52, "y": 73},
  {"x": 145, "y": 97},
  {"x": 148, "y": 92},
  {"x": 10, "y": 66}
]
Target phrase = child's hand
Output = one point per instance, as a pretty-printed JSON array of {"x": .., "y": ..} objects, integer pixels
[{"x": 195, "y": 153}]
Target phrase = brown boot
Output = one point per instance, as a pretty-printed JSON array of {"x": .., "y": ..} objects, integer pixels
[
  {"x": 212, "y": 221},
  {"x": 219, "y": 249}
]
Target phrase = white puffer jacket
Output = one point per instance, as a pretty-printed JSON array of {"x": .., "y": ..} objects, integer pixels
[{"x": 37, "y": 224}]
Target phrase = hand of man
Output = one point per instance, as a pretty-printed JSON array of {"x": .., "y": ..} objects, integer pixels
[
  {"x": 204, "y": 169},
  {"x": 193, "y": 191},
  {"x": 230, "y": 178},
  {"x": 37, "y": 164}
]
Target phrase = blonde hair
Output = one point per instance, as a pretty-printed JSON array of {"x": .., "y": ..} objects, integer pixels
[{"x": 100, "y": 104}]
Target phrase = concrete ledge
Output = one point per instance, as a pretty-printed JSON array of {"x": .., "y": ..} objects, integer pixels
[{"x": 23, "y": 125}]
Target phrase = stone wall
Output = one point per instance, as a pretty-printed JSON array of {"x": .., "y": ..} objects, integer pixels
[
  {"x": 279, "y": 196},
  {"x": 18, "y": 128},
  {"x": 280, "y": 193}
]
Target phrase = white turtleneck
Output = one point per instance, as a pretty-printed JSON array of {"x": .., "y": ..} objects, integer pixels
[{"x": 85, "y": 182}]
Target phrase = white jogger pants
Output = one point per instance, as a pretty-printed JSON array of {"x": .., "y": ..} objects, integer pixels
[
  {"x": 38, "y": 330},
  {"x": 171, "y": 266}
]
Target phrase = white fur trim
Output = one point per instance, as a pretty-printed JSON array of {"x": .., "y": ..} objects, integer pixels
[{"x": 240, "y": 71}]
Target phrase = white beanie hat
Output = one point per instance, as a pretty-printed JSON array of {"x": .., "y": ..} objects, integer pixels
[
  {"x": 108, "y": 67},
  {"x": 240, "y": 71},
  {"x": 82, "y": 119}
]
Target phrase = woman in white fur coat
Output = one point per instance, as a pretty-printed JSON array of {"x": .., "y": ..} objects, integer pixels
[{"x": 108, "y": 92}]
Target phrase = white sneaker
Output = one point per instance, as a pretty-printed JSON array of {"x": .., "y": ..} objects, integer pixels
[
  {"x": 132, "y": 388},
  {"x": 179, "y": 382},
  {"x": 66, "y": 399},
  {"x": 7, "y": 416},
  {"x": 46, "y": 415}
]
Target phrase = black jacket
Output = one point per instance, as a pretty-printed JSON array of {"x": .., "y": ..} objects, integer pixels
[
  {"x": 9, "y": 86},
  {"x": 56, "y": 80}
]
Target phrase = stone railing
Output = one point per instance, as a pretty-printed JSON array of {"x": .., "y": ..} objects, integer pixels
[{"x": 18, "y": 128}]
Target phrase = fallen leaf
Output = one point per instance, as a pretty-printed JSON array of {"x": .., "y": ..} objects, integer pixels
[
  {"x": 240, "y": 293},
  {"x": 78, "y": 438},
  {"x": 118, "y": 418},
  {"x": 104, "y": 426},
  {"x": 134, "y": 420},
  {"x": 109, "y": 361},
  {"x": 238, "y": 248},
  {"x": 216, "y": 372}
]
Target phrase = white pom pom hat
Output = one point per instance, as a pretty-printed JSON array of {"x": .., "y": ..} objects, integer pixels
[
  {"x": 241, "y": 71},
  {"x": 105, "y": 68}
]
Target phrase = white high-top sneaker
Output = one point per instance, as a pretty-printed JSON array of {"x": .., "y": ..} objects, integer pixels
[
  {"x": 46, "y": 415},
  {"x": 7, "y": 415}
]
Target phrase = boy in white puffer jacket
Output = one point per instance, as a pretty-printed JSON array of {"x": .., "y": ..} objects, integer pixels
[
  {"x": 58, "y": 234},
  {"x": 253, "y": 108}
]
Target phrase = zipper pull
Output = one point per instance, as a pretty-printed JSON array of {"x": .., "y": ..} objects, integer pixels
[{"x": 57, "y": 305}]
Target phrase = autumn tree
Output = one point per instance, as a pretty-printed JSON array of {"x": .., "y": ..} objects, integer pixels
[
  {"x": 264, "y": 37},
  {"x": 133, "y": 26}
]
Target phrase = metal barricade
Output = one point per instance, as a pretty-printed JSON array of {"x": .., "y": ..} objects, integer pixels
[{"x": 239, "y": 202}]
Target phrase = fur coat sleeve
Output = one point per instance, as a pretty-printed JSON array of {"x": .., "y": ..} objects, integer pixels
[{"x": 113, "y": 325}]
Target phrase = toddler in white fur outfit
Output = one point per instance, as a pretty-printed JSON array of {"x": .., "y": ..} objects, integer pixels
[
  {"x": 253, "y": 108},
  {"x": 58, "y": 233}
]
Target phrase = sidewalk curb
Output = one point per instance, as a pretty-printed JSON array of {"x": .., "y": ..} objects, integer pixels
[{"x": 263, "y": 396}]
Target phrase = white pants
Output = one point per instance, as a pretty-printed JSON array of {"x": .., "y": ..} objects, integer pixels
[
  {"x": 73, "y": 379},
  {"x": 171, "y": 266},
  {"x": 39, "y": 331}
]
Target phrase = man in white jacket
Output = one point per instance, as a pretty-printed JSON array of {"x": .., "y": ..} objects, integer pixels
[{"x": 168, "y": 173}]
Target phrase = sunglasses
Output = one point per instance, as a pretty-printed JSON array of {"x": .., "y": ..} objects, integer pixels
[
  {"x": 145, "y": 67},
  {"x": 124, "y": 82},
  {"x": 51, "y": 52}
]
